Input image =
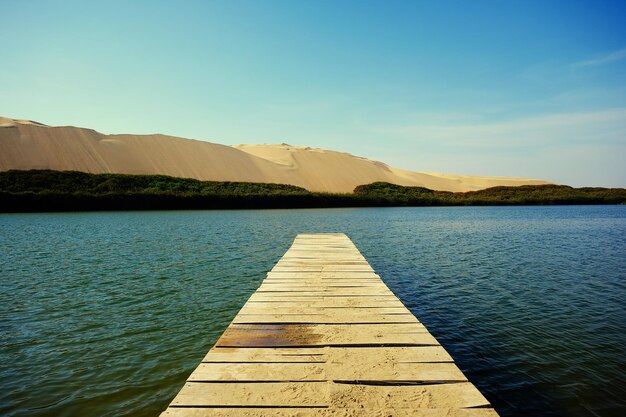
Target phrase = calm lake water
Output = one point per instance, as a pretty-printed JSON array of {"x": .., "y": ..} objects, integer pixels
[{"x": 106, "y": 314}]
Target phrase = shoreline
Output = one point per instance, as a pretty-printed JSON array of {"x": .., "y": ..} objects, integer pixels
[{"x": 58, "y": 191}]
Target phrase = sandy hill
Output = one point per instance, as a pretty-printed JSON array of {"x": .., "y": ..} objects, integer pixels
[{"x": 26, "y": 144}]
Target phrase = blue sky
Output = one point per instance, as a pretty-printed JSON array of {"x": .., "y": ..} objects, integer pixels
[{"x": 521, "y": 88}]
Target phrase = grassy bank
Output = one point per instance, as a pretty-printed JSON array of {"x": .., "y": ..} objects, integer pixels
[
  {"x": 43, "y": 190},
  {"x": 497, "y": 196}
]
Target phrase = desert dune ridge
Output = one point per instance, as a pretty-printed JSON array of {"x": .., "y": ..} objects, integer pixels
[
  {"x": 26, "y": 144},
  {"x": 6, "y": 122}
]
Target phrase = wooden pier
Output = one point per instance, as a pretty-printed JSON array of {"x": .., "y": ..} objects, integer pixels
[{"x": 324, "y": 336}]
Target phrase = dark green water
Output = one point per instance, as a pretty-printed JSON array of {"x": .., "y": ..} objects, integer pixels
[{"x": 108, "y": 313}]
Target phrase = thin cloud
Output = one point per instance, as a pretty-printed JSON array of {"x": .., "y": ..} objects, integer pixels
[
  {"x": 599, "y": 127},
  {"x": 576, "y": 148},
  {"x": 611, "y": 57}
]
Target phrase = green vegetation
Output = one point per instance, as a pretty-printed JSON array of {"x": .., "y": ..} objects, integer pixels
[
  {"x": 73, "y": 182},
  {"x": 398, "y": 195},
  {"x": 43, "y": 190}
]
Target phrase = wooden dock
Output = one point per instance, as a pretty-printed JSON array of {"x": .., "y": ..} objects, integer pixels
[{"x": 324, "y": 336}]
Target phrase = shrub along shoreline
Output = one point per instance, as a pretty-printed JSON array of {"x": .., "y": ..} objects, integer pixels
[{"x": 45, "y": 190}]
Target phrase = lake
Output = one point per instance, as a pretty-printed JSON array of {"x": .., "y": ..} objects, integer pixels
[{"x": 106, "y": 314}]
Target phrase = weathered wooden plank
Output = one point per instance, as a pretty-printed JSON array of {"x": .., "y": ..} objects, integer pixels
[
  {"x": 355, "y": 371},
  {"x": 298, "y": 308},
  {"x": 326, "y": 291},
  {"x": 327, "y": 274},
  {"x": 316, "y": 355},
  {"x": 303, "y": 268},
  {"x": 316, "y": 297},
  {"x": 327, "y": 302},
  {"x": 373, "y": 356},
  {"x": 331, "y": 299},
  {"x": 352, "y": 369},
  {"x": 330, "y": 259},
  {"x": 455, "y": 395},
  {"x": 330, "y": 291},
  {"x": 245, "y": 412},
  {"x": 246, "y": 372},
  {"x": 319, "y": 295},
  {"x": 355, "y": 356},
  {"x": 323, "y": 261},
  {"x": 325, "y": 282},
  {"x": 352, "y": 317},
  {"x": 267, "y": 394},
  {"x": 290, "y": 335},
  {"x": 328, "y": 394},
  {"x": 321, "y": 287},
  {"x": 344, "y": 268},
  {"x": 328, "y": 412},
  {"x": 273, "y": 277},
  {"x": 344, "y": 282}
]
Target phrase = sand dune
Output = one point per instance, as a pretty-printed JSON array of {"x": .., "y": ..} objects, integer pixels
[{"x": 26, "y": 144}]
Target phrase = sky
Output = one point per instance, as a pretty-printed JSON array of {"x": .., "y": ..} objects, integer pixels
[{"x": 532, "y": 89}]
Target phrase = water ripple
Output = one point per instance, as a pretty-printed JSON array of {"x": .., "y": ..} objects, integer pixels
[{"x": 107, "y": 313}]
